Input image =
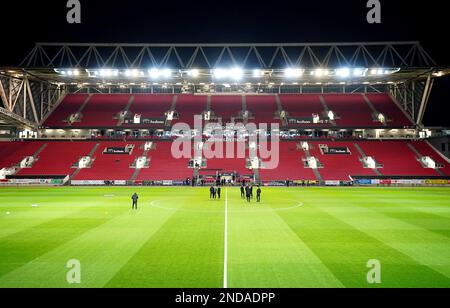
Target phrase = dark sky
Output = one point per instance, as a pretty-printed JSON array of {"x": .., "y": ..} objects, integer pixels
[{"x": 144, "y": 21}]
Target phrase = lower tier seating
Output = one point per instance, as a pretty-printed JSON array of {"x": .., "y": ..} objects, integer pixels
[{"x": 396, "y": 158}]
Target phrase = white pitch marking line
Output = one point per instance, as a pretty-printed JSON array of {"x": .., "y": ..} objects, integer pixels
[{"x": 225, "y": 259}]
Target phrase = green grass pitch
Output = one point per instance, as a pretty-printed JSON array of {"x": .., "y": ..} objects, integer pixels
[{"x": 297, "y": 237}]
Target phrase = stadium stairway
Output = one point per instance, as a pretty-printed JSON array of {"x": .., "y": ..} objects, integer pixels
[
  {"x": 126, "y": 110},
  {"x": 419, "y": 156},
  {"x": 363, "y": 155},
  {"x": 78, "y": 170},
  {"x": 315, "y": 170},
  {"x": 327, "y": 109},
  {"x": 374, "y": 110}
]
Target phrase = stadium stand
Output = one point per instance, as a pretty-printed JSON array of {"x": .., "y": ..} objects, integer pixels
[
  {"x": 111, "y": 167},
  {"x": 102, "y": 110},
  {"x": 58, "y": 158},
  {"x": 302, "y": 106},
  {"x": 290, "y": 165},
  {"x": 226, "y": 107},
  {"x": 339, "y": 167},
  {"x": 263, "y": 108},
  {"x": 384, "y": 104},
  {"x": 150, "y": 106},
  {"x": 352, "y": 110},
  {"x": 164, "y": 167},
  {"x": 397, "y": 158},
  {"x": 188, "y": 106},
  {"x": 12, "y": 153},
  {"x": 70, "y": 105},
  {"x": 225, "y": 165}
]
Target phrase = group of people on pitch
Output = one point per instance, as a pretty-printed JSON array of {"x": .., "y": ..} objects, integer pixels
[
  {"x": 247, "y": 193},
  {"x": 215, "y": 192}
]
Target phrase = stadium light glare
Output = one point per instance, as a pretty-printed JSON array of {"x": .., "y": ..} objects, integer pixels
[
  {"x": 359, "y": 72},
  {"x": 320, "y": 72},
  {"x": 234, "y": 73},
  {"x": 293, "y": 72},
  {"x": 166, "y": 73},
  {"x": 343, "y": 72},
  {"x": 257, "y": 73},
  {"x": 194, "y": 73}
]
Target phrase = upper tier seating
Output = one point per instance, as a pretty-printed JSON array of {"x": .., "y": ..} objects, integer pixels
[
  {"x": 302, "y": 106},
  {"x": 111, "y": 167},
  {"x": 384, "y": 104},
  {"x": 70, "y": 105},
  {"x": 263, "y": 108},
  {"x": 226, "y": 107},
  {"x": 189, "y": 106},
  {"x": 58, "y": 157},
  {"x": 163, "y": 166},
  {"x": 352, "y": 110},
  {"x": 150, "y": 106},
  {"x": 12, "y": 153},
  {"x": 102, "y": 109},
  {"x": 290, "y": 165}
]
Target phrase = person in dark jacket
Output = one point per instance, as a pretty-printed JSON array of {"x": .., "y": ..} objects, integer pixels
[
  {"x": 248, "y": 194},
  {"x": 258, "y": 194},
  {"x": 251, "y": 191},
  {"x": 243, "y": 191},
  {"x": 211, "y": 192},
  {"x": 219, "y": 191},
  {"x": 135, "y": 199}
]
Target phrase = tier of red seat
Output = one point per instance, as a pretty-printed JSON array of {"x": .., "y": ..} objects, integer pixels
[
  {"x": 397, "y": 158},
  {"x": 111, "y": 167},
  {"x": 150, "y": 106},
  {"x": 12, "y": 153},
  {"x": 290, "y": 165},
  {"x": 263, "y": 108},
  {"x": 102, "y": 110},
  {"x": 302, "y": 106},
  {"x": 163, "y": 165},
  {"x": 339, "y": 167},
  {"x": 58, "y": 157},
  {"x": 383, "y": 103},
  {"x": 352, "y": 109},
  {"x": 70, "y": 105},
  {"x": 189, "y": 106},
  {"x": 236, "y": 163},
  {"x": 226, "y": 107}
]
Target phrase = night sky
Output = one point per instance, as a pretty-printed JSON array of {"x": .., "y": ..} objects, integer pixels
[{"x": 144, "y": 21}]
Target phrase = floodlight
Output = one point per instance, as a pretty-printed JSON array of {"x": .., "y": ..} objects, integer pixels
[
  {"x": 343, "y": 72},
  {"x": 293, "y": 73},
  {"x": 359, "y": 72},
  {"x": 320, "y": 72},
  {"x": 154, "y": 73},
  {"x": 258, "y": 73},
  {"x": 236, "y": 73},
  {"x": 167, "y": 73},
  {"x": 194, "y": 73}
]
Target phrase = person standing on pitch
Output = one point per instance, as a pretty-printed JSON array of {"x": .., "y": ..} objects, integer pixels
[
  {"x": 219, "y": 191},
  {"x": 258, "y": 194},
  {"x": 251, "y": 191},
  {"x": 211, "y": 192},
  {"x": 135, "y": 198},
  {"x": 242, "y": 191},
  {"x": 248, "y": 194}
]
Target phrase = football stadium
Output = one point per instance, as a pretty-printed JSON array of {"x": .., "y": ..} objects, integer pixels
[{"x": 253, "y": 165}]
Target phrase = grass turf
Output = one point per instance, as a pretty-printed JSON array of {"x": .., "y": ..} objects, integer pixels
[{"x": 315, "y": 237}]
